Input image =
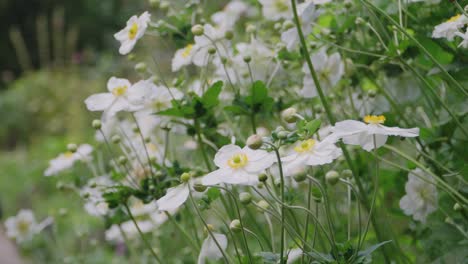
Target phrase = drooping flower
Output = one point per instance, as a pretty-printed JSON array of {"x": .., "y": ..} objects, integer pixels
[
  {"x": 310, "y": 152},
  {"x": 448, "y": 28},
  {"x": 276, "y": 9},
  {"x": 307, "y": 14},
  {"x": 421, "y": 195},
  {"x": 359, "y": 133},
  {"x": 238, "y": 165},
  {"x": 133, "y": 31},
  {"x": 23, "y": 226},
  {"x": 66, "y": 160},
  {"x": 122, "y": 96},
  {"x": 330, "y": 70},
  {"x": 210, "y": 250}
]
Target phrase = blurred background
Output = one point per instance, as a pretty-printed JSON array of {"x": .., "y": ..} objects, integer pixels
[{"x": 53, "y": 54}]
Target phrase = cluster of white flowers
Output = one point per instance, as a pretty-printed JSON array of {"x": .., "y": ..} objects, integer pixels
[{"x": 24, "y": 226}]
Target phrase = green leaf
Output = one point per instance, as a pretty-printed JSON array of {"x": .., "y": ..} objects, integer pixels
[
  {"x": 259, "y": 93},
  {"x": 368, "y": 251},
  {"x": 313, "y": 126},
  {"x": 213, "y": 193},
  {"x": 171, "y": 112},
  {"x": 442, "y": 56},
  {"x": 269, "y": 257},
  {"x": 236, "y": 110},
  {"x": 210, "y": 97}
]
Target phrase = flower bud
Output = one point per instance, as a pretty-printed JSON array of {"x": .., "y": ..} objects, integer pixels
[
  {"x": 245, "y": 198},
  {"x": 359, "y": 21},
  {"x": 300, "y": 177},
  {"x": 140, "y": 67},
  {"x": 85, "y": 195},
  {"x": 208, "y": 227},
  {"x": 283, "y": 134},
  {"x": 346, "y": 174},
  {"x": 164, "y": 5},
  {"x": 260, "y": 185},
  {"x": 198, "y": 30},
  {"x": 318, "y": 109},
  {"x": 154, "y": 3},
  {"x": 263, "y": 177},
  {"x": 211, "y": 50},
  {"x": 457, "y": 207},
  {"x": 185, "y": 177},
  {"x": 254, "y": 142},
  {"x": 263, "y": 204},
  {"x": 250, "y": 29},
  {"x": 235, "y": 226},
  {"x": 289, "y": 115},
  {"x": 247, "y": 59},
  {"x": 288, "y": 24},
  {"x": 277, "y": 182},
  {"x": 97, "y": 124},
  {"x": 224, "y": 60},
  {"x": 115, "y": 139},
  {"x": 199, "y": 187},
  {"x": 372, "y": 93},
  {"x": 122, "y": 160},
  {"x": 228, "y": 35},
  {"x": 332, "y": 177},
  {"x": 135, "y": 128},
  {"x": 63, "y": 211},
  {"x": 72, "y": 147}
]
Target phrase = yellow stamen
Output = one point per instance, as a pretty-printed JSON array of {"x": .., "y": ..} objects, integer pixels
[
  {"x": 23, "y": 226},
  {"x": 132, "y": 32},
  {"x": 305, "y": 146},
  {"x": 238, "y": 161},
  {"x": 373, "y": 119},
  {"x": 454, "y": 18},
  {"x": 68, "y": 154},
  {"x": 118, "y": 91},
  {"x": 187, "y": 51}
]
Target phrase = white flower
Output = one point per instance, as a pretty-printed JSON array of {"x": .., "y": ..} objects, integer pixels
[
  {"x": 135, "y": 29},
  {"x": 365, "y": 104},
  {"x": 227, "y": 18},
  {"x": 210, "y": 250},
  {"x": 66, "y": 160},
  {"x": 310, "y": 152},
  {"x": 23, "y": 226},
  {"x": 450, "y": 27},
  {"x": 182, "y": 57},
  {"x": 114, "y": 233},
  {"x": 121, "y": 97},
  {"x": 158, "y": 97},
  {"x": 358, "y": 133},
  {"x": 276, "y": 9},
  {"x": 174, "y": 198},
  {"x": 421, "y": 195},
  {"x": 238, "y": 165},
  {"x": 464, "y": 36},
  {"x": 294, "y": 255},
  {"x": 95, "y": 204},
  {"x": 307, "y": 13},
  {"x": 329, "y": 70}
]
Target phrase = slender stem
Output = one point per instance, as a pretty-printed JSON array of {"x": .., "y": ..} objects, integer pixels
[
  {"x": 280, "y": 168},
  {"x": 200, "y": 145},
  {"x": 306, "y": 229},
  {"x": 142, "y": 235}
]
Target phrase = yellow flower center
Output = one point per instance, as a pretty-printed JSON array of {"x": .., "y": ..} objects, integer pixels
[
  {"x": 23, "y": 226},
  {"x": 68, "y": 154},
  {"x": 132, "y": 32},
  {"x": 238, "y": 161},
  {"x": 454, "y": 18},
  {"x": 118, "y": 91},
  {"x": 305, "y": 146},
  {"x": 187, "y": 51},
  {"x": 151, "y": 147},
  {"x": 281, "y": 5},
  {"x": 373, "y": 119}
]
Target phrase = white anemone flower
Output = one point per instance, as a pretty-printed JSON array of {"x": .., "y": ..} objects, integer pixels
[
  {"x": 310, "y": 152},
  {"x": 24, "y": 226},
  {"x": 227, "y": 18},
  {"x": 276, "y": 9},
  {"x": 211, "y": 36},
  {"x": 238, "y": 165},
  {"x": 182, "y": 57},
  {"x": 114, "y": 233},
  {"x": 464, "y": 36},
  {"x": 210, "y": 250},
  {"x": 174, "y": 197},
  {"x": 448, "y": 28},
  {"x": 307, "y": 14},
  {"x": 158, "y": 97},
  {"x": 358, "y": 133},
  {"x": 421, "y": 195},
  {"x": 66, "y": 160},
  {"x": 95, "y": 203},
  {"x": 121, "y": 97},
  {"x": 330, "y": 70},
  {"x": 133, "y": 31}
]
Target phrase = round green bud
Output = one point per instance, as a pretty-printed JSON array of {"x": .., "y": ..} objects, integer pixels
[
  {"x": 140, "y": 67},
  {"x": 289, "y": 115},
  {"x": 283, "y": 134},
  {"x": 359, "y": 21},
  {"x": 300, "y": 177},
  {"x": 254, "y": 142},
  {"x": 332, "y": 177},
  {"x": 457, "y": 207},
  {"x": 235, "y": 226},
  {"x": 115, "y": 139},
  {"x": 63, "y": 211},
  {"x": 250, "y": 29},
  {"x": 185, "y": 177},
  {"x": 93, "y": 185},
  {"x": 122, "y": 160},
  {"x": 147, "y": 140},
  {"x": 72, "y": 147},
  {"x": 208, "y": 227},
  {"x": 224, "y": 60},
  {"x": 97, "y": 124},
  {"x": 346, "y": 174},
  {"x": 86, "y": 195},
  {"x": 277, "y": 26},
  {"x": 131, "y": 57},
  {"x": 154, "y": 3},
  {"x": 247, "y": 59},
  {"x": 199, "y": 187},
  {"x": 135, "y": 129},
  {"x": 211, "y": 50},
  {"x": 288, "y": 24},
  {"x": 260, "y": 185},
  {"x": 263, "y": 177},
  {"x": 277, "y": 182},
  {"x": 263, "y": 204},
  {"x": 318, "y": 109},
  {"x": 245, "y": 198},
  {"x": 60, "y": 186},
  {"x": 164, "y": 5},
  {"x": 198, "y": 30},
  {"x": 372, "y": 93},
  {"x": 229, "y": 35}
]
